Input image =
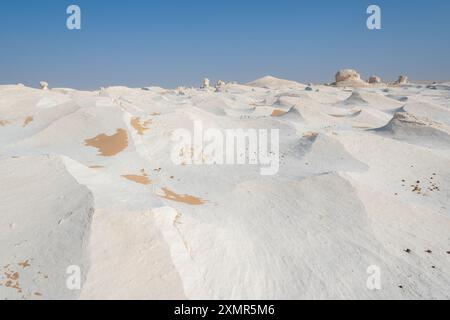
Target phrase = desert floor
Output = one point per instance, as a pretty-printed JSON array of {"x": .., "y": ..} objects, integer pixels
[{"x": 87, "y": 180}]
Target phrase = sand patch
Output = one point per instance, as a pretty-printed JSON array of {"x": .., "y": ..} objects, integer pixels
[
  {"x": 184, "y": 198},
  {"x": 96, "y": 167},
  {"x": 310, "y": 134},
  {"x": 11, "y": 279},
  {"x": 141, "y": 179},
  {"x": 139, "y": 126},
  {"x": 28, "y": 120},
  {"x": 4, "y": 123},
  {"x": 109, "y": 145},
  {"x": 278, "y": 113},
  {"x": 24, "y": 264}
]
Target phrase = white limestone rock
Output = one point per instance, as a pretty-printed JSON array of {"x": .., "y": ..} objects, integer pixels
[
  {"x": 375, "y": 80},
  {"x": 43, "y": 85}
]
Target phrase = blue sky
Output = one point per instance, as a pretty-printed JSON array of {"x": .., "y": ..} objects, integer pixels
[{"x": 178, "y": 42}]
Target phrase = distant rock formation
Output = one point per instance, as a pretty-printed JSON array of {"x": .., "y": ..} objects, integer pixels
[
  {"x": 349, "y": 78},
  {"x": 181, "y": 91},
  {"x": 347, "y": 74},
  {"x": 402, "y": 80},
  {"x": 269, "y": 82},
  {"x": 206, "y": 83},
  {"x": 220, "y": 86},
  {"x": 374, "y": 80},
  {"x": 43, "y": 85}
]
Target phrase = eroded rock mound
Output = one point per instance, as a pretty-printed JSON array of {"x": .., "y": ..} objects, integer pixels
[
  {"x": 350, "y": 78},
  {"x": 206, "y": 83},
  {"x": 347, "y": 74},
  {"x": 269, "y": 82},
  {"x": 402, "y": 80},
  {"x": 43, "y": 85},
  {"x": 375, "y": 80}
]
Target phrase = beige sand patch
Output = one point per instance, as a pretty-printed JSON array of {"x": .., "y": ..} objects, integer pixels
[
  {"x": 24, "y": 264},
  {"x": 141, "y": 179},
  {"x": 170, "y": 195},
  {"x": 28, "y": 120},
  {"x": 278, "y": 113},
  {"x": 139, "y": 126},
  {"x": 310, "y": 134},
  {"x": 96, "y": 167},
  {"x": 109, "y": 145}
]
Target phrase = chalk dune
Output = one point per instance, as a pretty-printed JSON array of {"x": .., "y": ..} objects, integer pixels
[{"x": 364, "y": 180}]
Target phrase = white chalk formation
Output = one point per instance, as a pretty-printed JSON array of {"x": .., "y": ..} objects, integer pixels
[
  {"x": 347, "y": 74},
  {"x": 97, "y": 187},
  {"x": 181, "y": 91},
  {"x": 206, "y": 83},
  {"x": 43, "y": 85},
  {"x": 402, "y": 80},
  {"x": 375, "y": 80},
  {"x": 350, "y": 78},
  {"x": 220, "y": 85}
]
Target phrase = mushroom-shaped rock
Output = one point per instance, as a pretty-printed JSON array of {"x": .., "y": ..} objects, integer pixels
[
  {"x": 347, "y": 74},
  {"x": 374, "y": 80},
  {"x": 349, "y": 78},
  {"x": 43, "y": 85}
]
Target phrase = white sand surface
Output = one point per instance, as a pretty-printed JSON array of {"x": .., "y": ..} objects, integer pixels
[{"x": 87, "y": 179}]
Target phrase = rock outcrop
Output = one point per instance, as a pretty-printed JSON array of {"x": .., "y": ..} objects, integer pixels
[
  {"x": 349, "y": 78},
  {"x": 374, "y": 80},
  {"x": 402, "y": 80},
  {"x": 43, "y": 85},
  {"x": 347, "y": 74},
  {"x": 206, "y": 83}
]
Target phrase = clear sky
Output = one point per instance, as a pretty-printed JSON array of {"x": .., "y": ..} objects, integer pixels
[{"x": 178, "y": 42}]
